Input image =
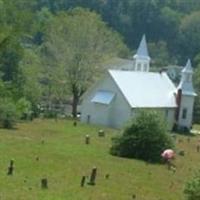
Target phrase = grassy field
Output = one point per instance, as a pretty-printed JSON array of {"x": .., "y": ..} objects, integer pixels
[{"x": 64, "y": 158}]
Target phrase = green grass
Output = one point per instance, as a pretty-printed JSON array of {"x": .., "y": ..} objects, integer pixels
[{"x": 64, "y": 158}]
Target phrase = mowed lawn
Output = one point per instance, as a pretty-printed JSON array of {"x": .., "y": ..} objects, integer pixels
[{"x": 64, "y": 158}]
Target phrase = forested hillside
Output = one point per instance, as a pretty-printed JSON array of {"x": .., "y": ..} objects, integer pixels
[{"x": 35, "y": 63}]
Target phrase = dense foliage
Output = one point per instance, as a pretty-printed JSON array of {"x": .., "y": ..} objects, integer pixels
[
  {"x": 192, "y": 188},
  {"x": 144, "y": 139},
  {"x": 172, "y": 29}
]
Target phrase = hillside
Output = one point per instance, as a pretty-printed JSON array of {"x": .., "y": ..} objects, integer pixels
[{"x": 57, "y": 151}]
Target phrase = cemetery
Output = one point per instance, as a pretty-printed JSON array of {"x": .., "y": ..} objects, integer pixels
[{"x": 58, "y": 159}]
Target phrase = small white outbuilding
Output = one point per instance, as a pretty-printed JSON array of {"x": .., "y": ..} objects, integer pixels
[{"x": 116, "y": 98}]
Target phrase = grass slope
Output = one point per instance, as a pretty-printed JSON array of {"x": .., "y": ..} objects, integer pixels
[{"x": 64, "y": 158}]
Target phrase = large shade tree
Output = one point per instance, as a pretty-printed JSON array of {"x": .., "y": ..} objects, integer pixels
[{"x": 76, "y": 44}]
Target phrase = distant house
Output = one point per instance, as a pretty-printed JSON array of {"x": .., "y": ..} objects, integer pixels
[{"x": 116, "y": 98}]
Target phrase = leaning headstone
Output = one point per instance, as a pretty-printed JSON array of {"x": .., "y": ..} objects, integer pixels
[
  {"x": 87, "y": 139},
  {"x": 93, "y": 176},
  {"x": 101, "y": 133},
  {"x": 83, "y": 181},
  {"x": 44, "y": 183},
  {"x": 11, "y": 168}
]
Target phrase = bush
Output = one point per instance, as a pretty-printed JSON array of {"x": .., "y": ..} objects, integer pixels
[
  {"x": 144, "y": 139},
  {"x": 192, "y": 188},
  {"x": 24, "y": 109},
  {"x": 8, "y": 113}
]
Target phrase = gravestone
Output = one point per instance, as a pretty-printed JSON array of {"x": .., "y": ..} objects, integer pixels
[
  {"x": 11, "y": 168},
  {"x": 75, "y": 123},
  {"x": 87, "y": 139},
  {"x": 198, "y": 147},
  {"x": 93, "y": 176},
  {"x": 101, "y": 133},
  {"x": 83, "y": 181},
  {"x": 44, "y": 183}
]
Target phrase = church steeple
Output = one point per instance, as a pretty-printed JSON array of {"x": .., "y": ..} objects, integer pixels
[
  {"x": 141, "y": 59},
  {"x": 185, "y": 96},
  {"x": 186, "y": 84}
]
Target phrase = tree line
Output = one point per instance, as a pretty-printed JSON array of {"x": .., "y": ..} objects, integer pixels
[{"x": 52, "y": 50}]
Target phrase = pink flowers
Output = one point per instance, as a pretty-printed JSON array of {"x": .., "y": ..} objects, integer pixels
[{"x": 168, "y": 154}]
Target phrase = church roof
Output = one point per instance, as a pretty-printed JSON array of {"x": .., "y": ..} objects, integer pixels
[
  {"x": 145, "y": 89},
  {"x": 142, "y": 49}
]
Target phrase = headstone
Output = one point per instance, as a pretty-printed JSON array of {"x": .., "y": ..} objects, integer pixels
[
  {"x": 107, "y": 176},
  {"x": 11, "y": 168},
  {"x": 44, "y": 183},
  {"x": 198, "y": 147},
  {"x": 87, "y": 139},
  {"x": 75, "y": 123},
  {"x": 181, "y": 152},
  {"x": 133, "y": 196},
  {"x": 101, "y": 133},
  {"x": 83, "y": 181},
  {"x": 93, "y": 176}
]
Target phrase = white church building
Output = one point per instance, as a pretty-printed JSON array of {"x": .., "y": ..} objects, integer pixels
[{"x": 116, "y": 98}]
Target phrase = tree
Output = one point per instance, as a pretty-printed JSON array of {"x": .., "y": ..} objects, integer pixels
[
  {"x": 190, "y": 35},
  {"x": 144, "y": 139},
  {"x": 159, "y": 54},
  {"x": 197, "y": 90},
  {"x": 192, "y": 188},
  {"x": 76, "y": 43}
]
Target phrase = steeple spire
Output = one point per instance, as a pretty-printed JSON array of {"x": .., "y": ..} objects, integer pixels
[
  {"x": 141, "y": 59},
  {"x": 143, "y": 50},
  {"x": 188, "y": 67}
]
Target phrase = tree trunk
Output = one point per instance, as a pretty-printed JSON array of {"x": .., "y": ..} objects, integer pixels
[
  {"x": 77, "y": 93},
  {"x": 75, "y": 105}
]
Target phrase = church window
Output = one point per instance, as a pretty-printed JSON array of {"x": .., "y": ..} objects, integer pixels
[
  {"x": 184, "y": 114},
  {"x": 138, "y": 66},
  {"x": 145, "y": 67},
  {"x": 166, "y": 113}
]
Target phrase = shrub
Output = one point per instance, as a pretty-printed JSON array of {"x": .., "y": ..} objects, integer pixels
[
  {"x": 192, "y": 188},
  {"x": 144, "y": 139},
  {"x": 8, "y": 113},
  {"x": 24, "y": 109}
]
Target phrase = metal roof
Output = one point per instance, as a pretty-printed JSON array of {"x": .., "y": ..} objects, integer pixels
[
  {"x": 145, "y": 89},
  {"x": 103, "y": 97}
]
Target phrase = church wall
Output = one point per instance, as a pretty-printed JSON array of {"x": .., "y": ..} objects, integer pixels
[
  {"x": 113, "y": 115},
  {"x": 167, "y": 113},
  {"x": 187, "y": 102}
]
